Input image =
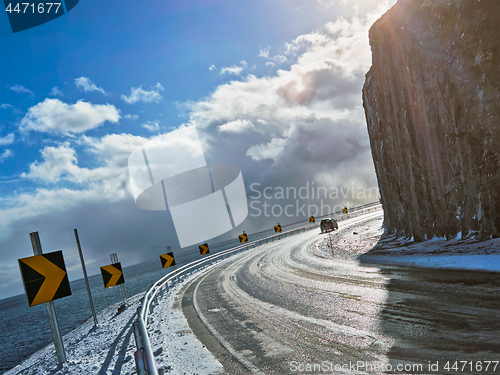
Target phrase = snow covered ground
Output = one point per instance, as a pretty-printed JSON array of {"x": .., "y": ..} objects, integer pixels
[
  {"x": 363, "y": 241},
  {"x": 176, "y": 348},
  {"x": 109, "y": 349},
  {"x": 106, "y": 349}
]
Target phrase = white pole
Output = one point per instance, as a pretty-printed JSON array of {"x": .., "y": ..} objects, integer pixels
[{"x": 86, "y": 278}]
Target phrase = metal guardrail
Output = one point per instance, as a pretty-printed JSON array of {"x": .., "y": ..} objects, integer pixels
[
  {"x": 144, "y": 358},
  {"x": 230, "y": 243}
]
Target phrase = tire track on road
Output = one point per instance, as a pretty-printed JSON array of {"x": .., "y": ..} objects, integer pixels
[{"x": 282, "y": 302}]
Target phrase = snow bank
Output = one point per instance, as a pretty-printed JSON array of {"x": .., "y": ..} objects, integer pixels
[
  {"x": 363, "y": 241},
  {"x": 106, "y": 349}
]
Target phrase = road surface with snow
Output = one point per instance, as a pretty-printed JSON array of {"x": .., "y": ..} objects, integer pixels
[
  {"x": 297, "y": 307},
  {"x": 294, "y": 307}
]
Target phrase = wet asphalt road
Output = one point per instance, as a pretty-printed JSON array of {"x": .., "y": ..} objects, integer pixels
[{"x": 283, "y": 308}]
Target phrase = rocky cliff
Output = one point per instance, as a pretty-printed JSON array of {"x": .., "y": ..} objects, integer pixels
[{"x": 432, "y": 105}]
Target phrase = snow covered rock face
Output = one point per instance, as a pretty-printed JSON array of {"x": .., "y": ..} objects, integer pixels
[{"x": 432, "y": 104}]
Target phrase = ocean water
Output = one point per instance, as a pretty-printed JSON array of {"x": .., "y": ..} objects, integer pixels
[{"x": 24, "y": 330}]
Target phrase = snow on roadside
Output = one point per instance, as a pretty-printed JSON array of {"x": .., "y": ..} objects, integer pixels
[
  {"x": 109, "y": 349},
  {"x": 176, "y": 348},
  {"x": 364, "y": 241},
  {"x": 106, "y": 349}
]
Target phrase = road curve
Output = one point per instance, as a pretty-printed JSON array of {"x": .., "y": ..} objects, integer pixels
[{"x": 284, "y": 308}]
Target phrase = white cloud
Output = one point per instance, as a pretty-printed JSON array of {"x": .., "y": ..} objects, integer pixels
[
  {"x": 279, "y": 59},
  {"x": 131, "y": 117},
  {"x": 235, "y": 69},
  {"x": 271, "y": 150},
  {"x": 342, "y": 44},
  {"x": 110, "y": 156},
  {"x": 56, "y": 92},
  {"x": 264, "y": 52},
  {"x": 5, "y": 106},
  {"x": 302, "y": 124},
  {"x": 236, "y": 126},
  {"x": 276, "y": 59},
  {"x": 5, "y": 155},
  {"x": 113, "y": 150},
  {"x": 54, "y": 116},
  {"x": 326, "y": 4},
  {"x": 58, "y": 162},
  {"x": 317, "y": 142},
  {"x": 212, "y": 67},
  {"x": 87, "y": 85},
  {"x": 41, "y": 202},
  {"x": 111, "y": 153},
  {"x": 152, "y": 126},
  {"x": 21, "y": 90},
  {"x": 138, "y": 94},
  {"x": 107, "y": 181},
  {"x": 7, "y": 140},
  {"x": 307, "y": 118}
]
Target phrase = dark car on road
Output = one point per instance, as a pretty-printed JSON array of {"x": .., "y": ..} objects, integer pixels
[{"x": 328, "y": 225}]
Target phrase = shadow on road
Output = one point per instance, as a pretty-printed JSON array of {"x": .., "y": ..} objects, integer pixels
[{"x": 439, "y": 317}]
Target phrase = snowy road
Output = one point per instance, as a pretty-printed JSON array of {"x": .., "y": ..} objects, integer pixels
[
  {"x": 293, "y": 307},
  {"x": 288, "y": 307}
]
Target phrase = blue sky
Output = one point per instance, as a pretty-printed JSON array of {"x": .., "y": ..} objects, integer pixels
[{"x": 273, "y": 86}]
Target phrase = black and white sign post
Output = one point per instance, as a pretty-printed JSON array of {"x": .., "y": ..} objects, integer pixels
[
  {"x": 51, "y": 310},
  {"x": 121, "y": 287}
]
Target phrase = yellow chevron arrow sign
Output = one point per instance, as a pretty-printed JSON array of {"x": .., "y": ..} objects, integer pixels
[
  {"x": 312, "y": 219},
  {"x": 203, "y": 249},
  {"x": 112, "y": 275},
  {"x": 277, "y": 228},
  {"x": 243, "y": 237},
  {"x": 45, "y": 278},
  {"x": 167, "y": 260}
]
